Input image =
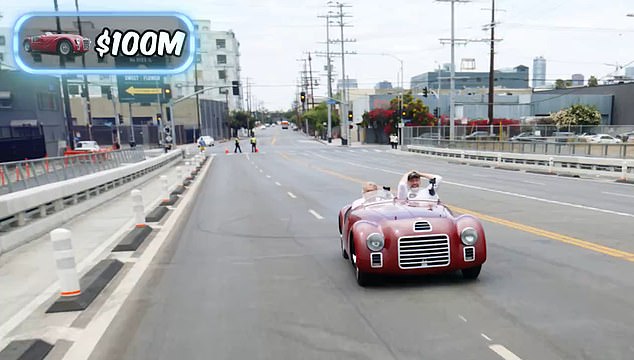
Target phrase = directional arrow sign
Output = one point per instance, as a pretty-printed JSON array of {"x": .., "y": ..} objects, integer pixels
[
  {"x": 143, "y": 91},
  {"x": 140, "y": 88}
]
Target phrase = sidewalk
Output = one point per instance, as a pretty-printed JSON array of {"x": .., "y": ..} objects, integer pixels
[
  {"x": 337, "y": 142},
  {"x": 28, "y": 271}
]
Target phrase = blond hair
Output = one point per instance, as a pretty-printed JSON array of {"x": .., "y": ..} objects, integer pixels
[{"x": 369, "y": 186}]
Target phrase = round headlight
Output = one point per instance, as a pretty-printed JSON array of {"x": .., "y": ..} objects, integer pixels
[
  {"x": 469, "y": 236},
  {"x": 375, "y": 242}
]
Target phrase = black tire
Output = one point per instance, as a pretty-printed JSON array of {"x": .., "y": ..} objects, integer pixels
[
  {"x": 64, "y": 48},
  {"x": 363, "y": 279},
  {"x": 472, "y": 272},
  {"x": 26, "y": 45}
]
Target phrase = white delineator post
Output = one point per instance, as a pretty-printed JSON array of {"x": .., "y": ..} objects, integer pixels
[
  {"x": 179, "y": 174},
  {"x": 137, "y": 208},
  {"x": 165, "y": 187},
  {"x": 65, "y": 262},
  {"x": 551, "y": 165},
  {"x": 624, "y": 171}
]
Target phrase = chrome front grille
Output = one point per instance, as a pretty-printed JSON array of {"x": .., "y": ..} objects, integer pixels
[
  {"x": 423, "y": 251},
  {"x": 422, "y": 226},
  {"x": 86, "y": 44},
  {"x": 469, "y": 253}
]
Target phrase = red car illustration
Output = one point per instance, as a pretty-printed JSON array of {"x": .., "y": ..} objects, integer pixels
[
  {"x": 57, "y": 44},
  {"x": 386, "y": 236}
]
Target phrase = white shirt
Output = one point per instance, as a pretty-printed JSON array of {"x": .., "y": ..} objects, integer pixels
[{"x": 402, "y": 192}]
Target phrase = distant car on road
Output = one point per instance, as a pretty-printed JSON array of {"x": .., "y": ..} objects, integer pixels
[
  {"x": 208, "y": 140},
  {"x": 527, "y": 136},
  {"x": 386, "y": 236},
  {"x": 56, "y": 44},
  {"x": 87, "y": 146},
  {"x": 604, "y": 139},
  {"x": 480, "y": 135}
]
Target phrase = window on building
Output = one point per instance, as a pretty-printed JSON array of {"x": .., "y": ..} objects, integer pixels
[
  {"x": 221, "y": 43},
  {"x": 222, "y": 59},
  {"x": 5, "y": 100},
  {"x": 47, "y": 102},
  {"x": 222, "y": 74},
  {"x": 3, "y": 40},
  {"x": 199, "y": 75}
]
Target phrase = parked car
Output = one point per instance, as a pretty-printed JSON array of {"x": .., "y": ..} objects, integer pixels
[
  {"x": 87, "y": 146},
  {"x": 386, "y": 236},
  {"x": 527, "y": 136},
  {"x": 56, "y": 44},
  {"x": 626, "y": 136},
  {"x": 604, "y": 139},
  {"x": 480, "y": 135}
]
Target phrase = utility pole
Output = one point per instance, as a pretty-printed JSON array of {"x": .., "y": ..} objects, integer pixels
[
  {"x": 344, "y": 103},
  {"x": 452, "y": 83},
  {"x": 329, "y": 75},
  {"x": 86, "y": 92},
  {"x": 62, "y": 64},
  {"x": 197, "y": 96},
  {"x": 310, "y": 79},
  {"x": 492, "y": 64}
]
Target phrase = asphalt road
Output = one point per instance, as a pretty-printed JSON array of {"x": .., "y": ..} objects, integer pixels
[{"x": 257, "y": 272}]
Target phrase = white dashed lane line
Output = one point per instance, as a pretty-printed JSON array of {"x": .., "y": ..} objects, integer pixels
[
  {"x": 315, "y": 214},
  {"x": 462, "y": 318},
  {"x": 292, "y": 195},
  {"x": 278, "y": 184},
  {"x": 268, "y": 176},
  {"x": 486, "y": 337},
  {"x": 505, "y": 353},
  {"x": 617, "y": 194}
]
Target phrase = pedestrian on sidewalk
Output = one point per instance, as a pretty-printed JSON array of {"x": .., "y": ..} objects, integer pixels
[
  {"x": 253, "y": 143},
  {"x": 394, "y": 141},
  {"x": 237, "y": 145}
]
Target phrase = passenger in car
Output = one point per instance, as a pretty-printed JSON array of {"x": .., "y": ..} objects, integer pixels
[
  {"x": 365, "y": 189},
  {"x": 409, "y": 186}
]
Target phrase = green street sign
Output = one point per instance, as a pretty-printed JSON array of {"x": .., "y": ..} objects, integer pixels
[{"x": 142, "y": 89}]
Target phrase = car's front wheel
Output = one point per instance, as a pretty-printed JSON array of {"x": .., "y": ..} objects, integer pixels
[
  {"x": 343, "y": 250},
  {"x": 472, "y": 272},
  {"x": 64, "y": 47},
  {"x": 27, "y": 46}
]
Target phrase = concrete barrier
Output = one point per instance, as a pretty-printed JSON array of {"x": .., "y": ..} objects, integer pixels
[
  {"x": 621, "y": 169},
  {"x": 32, "y": 213}
]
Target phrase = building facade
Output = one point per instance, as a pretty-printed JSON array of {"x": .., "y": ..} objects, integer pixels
[
  {"x": 383, "y": 85},
  {"x": 516, "y": 78},
  {"x": 6, "y": 54},
  {"x": 217, "y": 64},
  {"x": 577, "y": 79},
  {"x": 539, "y": 72}
]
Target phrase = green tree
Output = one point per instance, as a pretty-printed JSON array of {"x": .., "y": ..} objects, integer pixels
[
  {"x": 560, "y": 84},
  {"x": 592, "y": 81},
  {"x": 577, "y": 115},
  {"x": 319, "y": 115},
  {"x": 240, "y": 119}
]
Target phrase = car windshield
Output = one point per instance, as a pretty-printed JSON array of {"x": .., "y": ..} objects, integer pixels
[{"x": 377, "y": 197}]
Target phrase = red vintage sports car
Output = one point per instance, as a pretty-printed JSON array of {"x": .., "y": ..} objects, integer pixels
[
  {"x": 386, "y": 236},
  {"x": 57, "y": 44}
]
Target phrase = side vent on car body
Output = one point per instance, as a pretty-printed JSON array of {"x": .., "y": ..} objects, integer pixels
[
  {"x": 376, "y": 260},
  {"x": 469, "y": 253}
]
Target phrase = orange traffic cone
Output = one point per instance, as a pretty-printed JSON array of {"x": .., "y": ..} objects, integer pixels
[
  {"x": 256, "y": 149},
  {"x": 226, "y": 151}
]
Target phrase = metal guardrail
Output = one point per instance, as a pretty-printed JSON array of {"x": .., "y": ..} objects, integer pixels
[
  {"x": 21, "y": 175},
  {"x": 16, "y": 209},
  {"x": 621, "y": 169},
  {"x": 622, "y": 151}
]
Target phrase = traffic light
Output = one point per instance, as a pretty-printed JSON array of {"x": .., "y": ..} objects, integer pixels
[
  {"x": 236, "y": 87},
  {"x": 350, "y": 126},
  {"x": 302, "y": 97},
  {"x": 425, "y": 92},
  {"x": 349, "y": 115},
  {"x": 159, "y": 118},
  {"x": 120, "y": 119},
  {"x": 167, "y": 92},
  {"x": 404, "y": 113},
  {"x": 436, "y": 112}
]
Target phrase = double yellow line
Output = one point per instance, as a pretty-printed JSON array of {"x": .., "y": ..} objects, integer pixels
[{"x": 511, "y": 224}]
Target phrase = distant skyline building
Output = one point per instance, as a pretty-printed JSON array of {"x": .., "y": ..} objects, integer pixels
[
  {"x": 539, "y": 71},
  {"x": 383, "y": 85},
  {"x": 514, "y": 78},
  {"x": 578, "y": 79}
]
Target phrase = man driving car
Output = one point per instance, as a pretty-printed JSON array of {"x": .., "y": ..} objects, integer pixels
[{"x": 410, "y": 187}]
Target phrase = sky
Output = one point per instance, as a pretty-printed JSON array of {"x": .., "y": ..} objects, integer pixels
[{"x": 575, "y": 36}]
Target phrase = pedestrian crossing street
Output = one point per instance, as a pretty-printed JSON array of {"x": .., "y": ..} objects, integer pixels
[{"x": 308, "y": 152}]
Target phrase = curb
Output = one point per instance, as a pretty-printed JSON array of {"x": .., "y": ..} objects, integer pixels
[
  {"x": 93, "y": 282},
  {"x": 157, "y": 214},
  {"x": 32, "y": 349},
  {"x": 179, "y": 190},
  {"x": 133, "y": 239},
  {"x": 171, "y": 201}
]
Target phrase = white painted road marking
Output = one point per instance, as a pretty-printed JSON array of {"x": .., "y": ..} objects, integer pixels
[
  {"x": 377, "y": 150},
  {"x": 364, "y": 150},
  {"x": 291, "y": 195},
  {"x": 506, "y": 193},
  {"x": 268, "y": 176},
  {"x": 505, "y": 353},
  {"x": 486, "y": 337},
  {"x": 315, "y": 214},
  {"x": 261, "y": 170},
  {"x": 617, "y": 194},
  {"x": 462, "y": 318},
  {"x": 278, "y": 184}
]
